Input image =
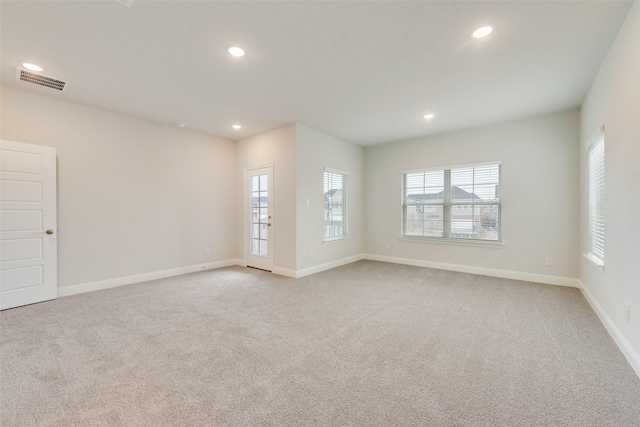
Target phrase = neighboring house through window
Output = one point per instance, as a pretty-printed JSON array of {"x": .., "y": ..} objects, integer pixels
[
  {"x": 335, "y": 204},
  {"x": 453, "y": 203}
]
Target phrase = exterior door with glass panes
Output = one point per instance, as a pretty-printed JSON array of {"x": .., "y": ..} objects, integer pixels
[{"x": 259, "y": 208}]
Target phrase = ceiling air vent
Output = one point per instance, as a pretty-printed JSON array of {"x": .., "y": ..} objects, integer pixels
[{"x": 40, "y": 79}]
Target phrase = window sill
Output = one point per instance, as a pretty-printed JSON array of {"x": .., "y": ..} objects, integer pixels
[
  {"x": 336, "y": 239},
  {"x": 595, "y": 261},
  {"x": 440, "y": 241}
]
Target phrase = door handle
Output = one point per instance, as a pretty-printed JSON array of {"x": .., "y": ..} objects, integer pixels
[
  {"x": 268, "y": 224},
  {"x": 49, "y": 231}
]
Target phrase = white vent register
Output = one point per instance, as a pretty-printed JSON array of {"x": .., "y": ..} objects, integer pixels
[{"x": 40, "y": 79}]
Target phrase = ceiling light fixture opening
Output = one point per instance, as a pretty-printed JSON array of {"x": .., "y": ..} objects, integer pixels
[
  {"x": 428, "y": 116},
  {"x": 32, "y": 67},
  {"x": 483, "y": 31},
  {"x": 237, "y": 127},
  {"x": 236, "y": 51}
]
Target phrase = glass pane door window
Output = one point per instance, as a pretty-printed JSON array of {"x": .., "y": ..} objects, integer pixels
[{"x": 260, "y": 217}]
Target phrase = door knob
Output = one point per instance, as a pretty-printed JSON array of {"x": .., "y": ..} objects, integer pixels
[
  {"x": 269, "y": 224},
  {"x": 49, "y": 231}
]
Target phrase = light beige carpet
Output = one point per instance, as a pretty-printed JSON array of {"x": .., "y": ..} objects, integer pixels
[{"x": 368, "y": 344}]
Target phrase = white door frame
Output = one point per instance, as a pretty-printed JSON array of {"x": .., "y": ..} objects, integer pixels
[
  {"x": 28, "y": 267},
  {"x": 264, "y": 263}
]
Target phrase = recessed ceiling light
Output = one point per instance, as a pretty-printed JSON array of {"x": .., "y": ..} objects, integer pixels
[
  {"x": 428, "y": 116},
  {"x": 181, "y": 124},
  {"x": 235, "y": 51},
  {"x": 237, "y": 127},
  {"x": 32, "y": 67},
  {"x": 483, "y": 31}
]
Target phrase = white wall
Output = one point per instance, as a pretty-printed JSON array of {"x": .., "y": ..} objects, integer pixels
[
  {"x": 277, "y": 147},
  {"x": 614, "y": 100},
  {"x": 314, "y": 151},
  {"x": 539, "y": 192},
  {"x": 133, "y": 196}
]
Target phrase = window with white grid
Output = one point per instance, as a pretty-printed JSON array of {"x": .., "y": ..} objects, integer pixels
[
  {"x": 453, "y": 203},
  {"x": 596, "y": 200},
  {"x": 335, "y": 204}
]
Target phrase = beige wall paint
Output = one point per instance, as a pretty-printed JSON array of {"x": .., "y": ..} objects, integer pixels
[
  {"x": 133, "y": 196},
  {"x": 314, "y": 151},
  {"x": 276, "y": 147},
  {"x": 614, "y": 100},
  {"x": 539, "y": 191}
]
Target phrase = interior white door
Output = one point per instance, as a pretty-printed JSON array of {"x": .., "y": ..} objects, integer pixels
[
  {"x": 28, "y": 247},
  {"x": 258, "y": 218}
]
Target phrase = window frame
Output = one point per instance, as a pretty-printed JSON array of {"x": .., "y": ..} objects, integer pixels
[
  {"x": 449, "y": 206},
  {"x": 598, "y": 260},
  {"x": 345, "y": 209}
]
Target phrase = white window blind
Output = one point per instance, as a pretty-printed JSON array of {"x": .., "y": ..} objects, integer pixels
[
  {"x": 424, "y": 203},
  {"x": 596, "y": 199},
  {"x": 335, "y": 204},
  {"x": 455, "y": 203}
]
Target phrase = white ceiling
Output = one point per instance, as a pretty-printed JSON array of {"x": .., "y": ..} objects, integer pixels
[{"x": 364, "y": 72}]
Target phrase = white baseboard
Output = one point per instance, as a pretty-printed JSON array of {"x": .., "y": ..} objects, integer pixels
[
  {"x": 623, "y": 344},
  {"x": 329, "y": 265},
  {"x": 295, "y": 274},
  {"x": 284, "y": 272},
  {"x": 275, "y": 270},
  {"x": 493, "y": 272},
  {"x": 137, "y": 278}
]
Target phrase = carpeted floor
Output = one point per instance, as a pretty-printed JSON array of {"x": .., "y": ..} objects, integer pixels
[{"x": 368, "y": 344}]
